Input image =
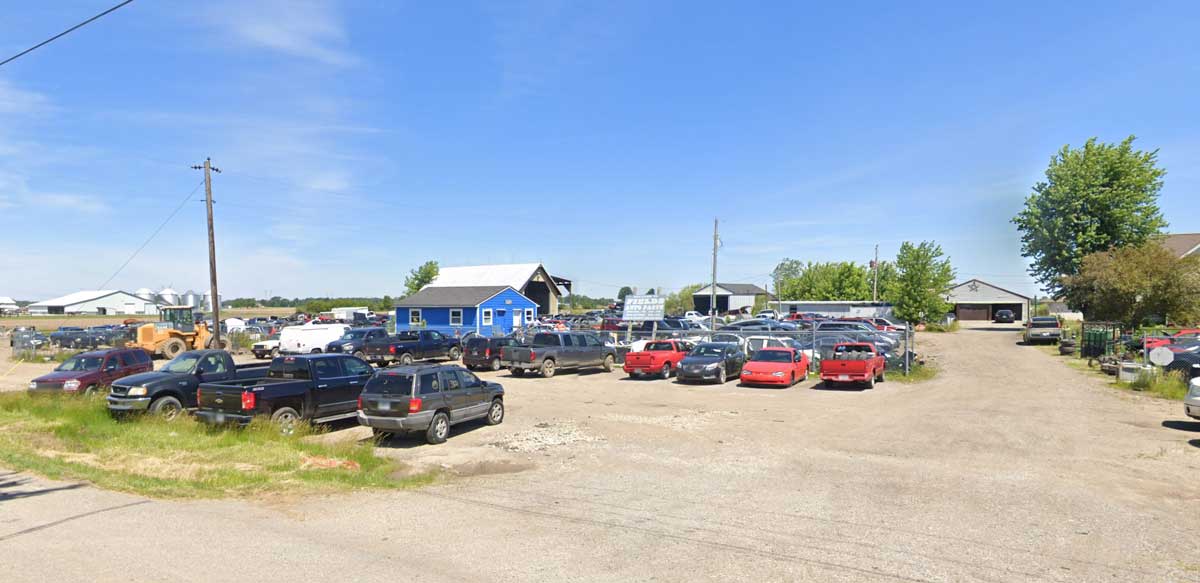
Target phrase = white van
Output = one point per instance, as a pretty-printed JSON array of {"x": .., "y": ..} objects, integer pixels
[{"x": 309, "y": 337}]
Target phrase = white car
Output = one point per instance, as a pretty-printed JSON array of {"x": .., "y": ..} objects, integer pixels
[
  {"x": 1191, "y": 404},
  {"x": 695, "y": 316},
  {"x": 772, "y": 314},
  {"x": 268, "y": 348},
  {"x": 309, "y": 338}
]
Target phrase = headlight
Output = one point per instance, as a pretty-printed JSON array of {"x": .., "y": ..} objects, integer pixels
[
  {"x": 137, "y": 392},
  {"x": 777, "y": 374},
  {"x": 71, "y": 386},
  {"x": 33, "y": 384},
  {"x": 347, "y": 347},
  {"x": 712, "y": 366}
]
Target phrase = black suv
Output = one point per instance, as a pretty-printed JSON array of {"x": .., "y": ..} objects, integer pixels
[
  {"x": 481, "y": 352},
  {"x": 1004, "y": 317},
  {"x": 428, "y": 398}
]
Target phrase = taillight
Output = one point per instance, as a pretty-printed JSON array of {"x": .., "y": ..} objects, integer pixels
[
  {"x": 487, "y": 352},
  {"x": 414, "y": 405},
  {"x": 248, "y": 400},
  {"x": 392, "y": 349},
  {"x": 360, "y": 402},
  {"x": 532, "y": 356},
  {"x": 197, "y": 396}
]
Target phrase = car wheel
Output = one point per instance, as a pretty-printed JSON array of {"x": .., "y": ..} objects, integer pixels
[
  {"x": 406, "y": 359},
  {"x": 666, "y": 371},
  {"x": 495, "y": 414},
  {"x": 90, "y": 391},
  {"x": 516, "y": 372},
  {"x": 286, "y": 418},
  {"x": 608, "y": 363},
  {"x": 721, "y": 376},
  {"x": 439, "y": 429},
  {"x": 166, "y": 407},
  {"x": 495, "y": 364},
  {"x": 274, "y": 353},
  {"x": 881, "y": 378},
  {"x": 871, "y": 383},
  {"x": 792, "y": 380},
  {"x": 454, "y": 353},
  {"x": 172, "y": 348},
  {"x": 547, "y": 368},
  {"x": 359, "y": 354}
]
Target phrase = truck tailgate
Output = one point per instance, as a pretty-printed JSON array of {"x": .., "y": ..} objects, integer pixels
[
  {"x": 643, "y": 359},
  {"x": 227, "y": 399},
  {"x": 852, "y": 368},
  {"x": 516, "y": 354}
]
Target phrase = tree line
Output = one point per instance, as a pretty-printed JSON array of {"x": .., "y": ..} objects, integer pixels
[{"x": 417, "y": 278}]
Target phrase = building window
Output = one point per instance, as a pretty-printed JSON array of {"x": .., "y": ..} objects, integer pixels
[
  {"x": 528, "y": 315},
  {"x": 456, "y": 317},
  {"x": 487, "y": 316},
  {"x": 500, "y": 312},
  {"x": 414, "y": 317}
]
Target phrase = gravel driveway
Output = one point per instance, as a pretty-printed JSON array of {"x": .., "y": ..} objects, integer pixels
[{"x": 1007, "y": 467}]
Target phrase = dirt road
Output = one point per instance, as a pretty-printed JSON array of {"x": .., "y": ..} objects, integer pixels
[{"x": 1007, "y": 467}]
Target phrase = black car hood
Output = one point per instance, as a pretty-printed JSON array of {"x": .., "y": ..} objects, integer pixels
[
  {"x": 146, "y": 378},
  {"x": 701, "y": 359}
]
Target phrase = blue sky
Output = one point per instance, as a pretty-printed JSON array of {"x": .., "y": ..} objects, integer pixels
[{"x": 359, "y": 139}]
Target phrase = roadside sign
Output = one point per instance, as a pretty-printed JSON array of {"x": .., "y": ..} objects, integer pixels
[
  {"x": 1162, "y": 356},
  {"x": 643, "y": 308}
]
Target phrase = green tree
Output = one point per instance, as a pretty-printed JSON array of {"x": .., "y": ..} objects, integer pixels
[
  {"x": 681, "y": 301},
  {"x": 822, "y": 281},
  {"x": 243, "y": 303},
  {"x": 420, "y": 277},
  {"x": 888, "y": 276},
  {"x": 650, "y": 292},
  {"x": 923, "y": 274},
  {"x": 1094, "y": 198},
  {"x": 624, "y": 291},
  {"x": 385, "y": 305},
  {"x": 1132, "y": 284}
]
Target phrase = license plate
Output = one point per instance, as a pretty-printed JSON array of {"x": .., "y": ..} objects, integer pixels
[
  {"x": 638, "y": 371},
  {"x": 385, "y": 406},
  {"x": 843, "y": 377},
  {"x": 220, "y": 417}
]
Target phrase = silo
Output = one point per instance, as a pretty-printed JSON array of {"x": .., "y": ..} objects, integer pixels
[
  {"x": 168, "y": 296},
  {"x": 207, "y": 302},
  {"x": 145, "y": 293},
  {"x": 190, "y": 298}
]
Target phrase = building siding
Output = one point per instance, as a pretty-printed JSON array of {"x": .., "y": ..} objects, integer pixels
[{"x": 439, "y": 318}]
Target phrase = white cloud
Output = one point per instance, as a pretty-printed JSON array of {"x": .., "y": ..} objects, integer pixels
[
  {"x": 15, "y": 192},
  {"x": 309, "y": 29},
  {"x": 16, "y": 101}
]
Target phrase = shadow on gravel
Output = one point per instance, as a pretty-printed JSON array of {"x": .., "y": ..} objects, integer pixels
[
  {"x": 417, "y": 438},
  {"x": 1194, "y": 443},
  {"x": 840, "y": 388},
  {"x": 12, "y": 480},
  {"x": 1182, "y": 425}
]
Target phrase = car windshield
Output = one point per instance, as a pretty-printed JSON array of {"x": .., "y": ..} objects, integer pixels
[
  {"x": 289, "y": 368},
  {"x": 772, "y": 356},
  {"x": 660, "y": 346},
  {"x": 78, "y": 363},
  {"x": 184, "y": 363},
  {"x": 707, "y": 350},
  {"x": 391, "y": 384},
  {"x": 354, "y": 334}
]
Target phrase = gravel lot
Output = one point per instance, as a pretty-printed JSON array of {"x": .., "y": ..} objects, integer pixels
[{"x": 1007, "y": 467}]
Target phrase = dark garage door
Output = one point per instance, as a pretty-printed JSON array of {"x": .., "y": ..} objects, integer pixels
[{"x": 971, "y": 312}]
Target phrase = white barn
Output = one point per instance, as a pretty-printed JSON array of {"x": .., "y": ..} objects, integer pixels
[
  {"x": 8, "y": 305},
  {"x": 731, "y": 297},
  {"x": 978, "y": 300},
  {"x": 103, "y": 302}
]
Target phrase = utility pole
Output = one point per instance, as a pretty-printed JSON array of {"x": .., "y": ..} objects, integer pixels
[
  {"x": 212, "y": 249},
  {"x": 712, "y": 291},
  {"x": 875, "y": 286}
]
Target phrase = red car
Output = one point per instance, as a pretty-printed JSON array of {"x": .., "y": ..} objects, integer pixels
[
  {"x": 1182, "y": 335},
  {"x": 659, "y": 358},
  {"x": 775, "y": 366},
  {"x": 88, "y": 372}
]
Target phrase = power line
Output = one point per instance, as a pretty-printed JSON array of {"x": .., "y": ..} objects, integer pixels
[
  {"x": 62, "y": 34},
  {"x": 178, "y": 208}
]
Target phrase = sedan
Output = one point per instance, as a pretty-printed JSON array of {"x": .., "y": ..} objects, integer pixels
[
  {"x": 775, "y": 366},
  {"x": 712, "y": 361}
]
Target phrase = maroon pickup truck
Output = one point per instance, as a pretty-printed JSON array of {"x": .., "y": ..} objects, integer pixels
[
  {"x": 87, "y": 372},
  {"x": 658, "y": 358},
  {"x": 853, "y": 362}
]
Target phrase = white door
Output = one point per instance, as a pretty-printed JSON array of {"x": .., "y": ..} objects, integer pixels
[{"x": 516, "y": 319}]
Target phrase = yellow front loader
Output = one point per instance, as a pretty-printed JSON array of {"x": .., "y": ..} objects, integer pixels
[{"x": 175, "y": 332}]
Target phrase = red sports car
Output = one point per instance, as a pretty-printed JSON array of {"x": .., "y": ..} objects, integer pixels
[{"x": 775, "y": 366}]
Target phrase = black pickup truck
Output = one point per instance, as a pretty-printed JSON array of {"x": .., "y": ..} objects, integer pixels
[
  {"x": 171, "y": 389},
  {"x": 409, "y": 347},
  {"x": 550, "y": 351},
  {"x": 310, "y": 387}
]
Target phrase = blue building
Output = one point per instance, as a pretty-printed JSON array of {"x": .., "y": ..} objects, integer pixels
[{"x": 493, "y": 310}]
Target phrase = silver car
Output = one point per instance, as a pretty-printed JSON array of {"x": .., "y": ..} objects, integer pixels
[{"x": 1191, "y": 404}]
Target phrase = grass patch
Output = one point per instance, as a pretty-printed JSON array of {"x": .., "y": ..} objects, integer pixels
[
  {"x": 34, "y": 356},
  {"x": 918, "y": 373},
  {"x": 1168, "y": 385},
  {"x": 942, "y": 328},
  {"x": 75, "y": 438}
]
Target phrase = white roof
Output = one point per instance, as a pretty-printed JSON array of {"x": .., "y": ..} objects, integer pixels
[
  {"x": 7, "y": 301},
  {"x": 76, "y": 298},
  {"x": 514, "y": 275}
]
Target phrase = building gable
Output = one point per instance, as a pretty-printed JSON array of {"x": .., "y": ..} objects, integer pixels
[{"x": 978, "y": 291}]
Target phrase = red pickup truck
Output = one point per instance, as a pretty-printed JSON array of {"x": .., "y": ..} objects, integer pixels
[
  {"x": 853, "y": 362},
  {"x": 660, "y": 357},
  {"x": 1180, "y": 336}
]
